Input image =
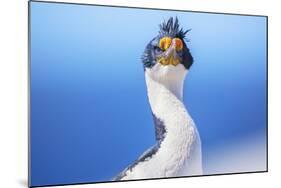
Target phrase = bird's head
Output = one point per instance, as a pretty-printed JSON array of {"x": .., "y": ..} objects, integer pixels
[{"x": 166, "y": 55}]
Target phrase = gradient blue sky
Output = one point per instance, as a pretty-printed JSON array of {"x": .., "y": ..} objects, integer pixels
[{"x": 90, "y": 115}]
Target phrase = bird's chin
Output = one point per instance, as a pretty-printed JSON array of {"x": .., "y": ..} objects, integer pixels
[{"x": 161, "y": 72}]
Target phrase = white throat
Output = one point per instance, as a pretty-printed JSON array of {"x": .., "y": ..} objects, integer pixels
[{"x": 170, "y": 77}]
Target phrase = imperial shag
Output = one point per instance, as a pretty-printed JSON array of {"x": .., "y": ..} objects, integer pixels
[{"x": 177, "y": 151}]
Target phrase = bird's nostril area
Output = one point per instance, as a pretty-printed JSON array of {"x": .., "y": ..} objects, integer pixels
[{"x": 170, "y": 52}]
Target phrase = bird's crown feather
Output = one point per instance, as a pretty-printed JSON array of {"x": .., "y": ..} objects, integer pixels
[{"x": 172, "y": 28}]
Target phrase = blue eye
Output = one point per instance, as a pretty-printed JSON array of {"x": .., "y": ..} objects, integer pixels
[{"x": 157, "y": 49}]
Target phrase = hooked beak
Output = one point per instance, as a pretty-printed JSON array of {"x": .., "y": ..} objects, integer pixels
[{"x": 170, "y": 56}]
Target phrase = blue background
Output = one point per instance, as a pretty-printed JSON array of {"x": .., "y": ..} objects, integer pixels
[{"x": 90, "y": 115}]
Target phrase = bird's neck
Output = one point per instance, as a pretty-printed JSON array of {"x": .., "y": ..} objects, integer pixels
[
  {"x": 166, "y": 101},
  {"x": 166, "y": 105}
]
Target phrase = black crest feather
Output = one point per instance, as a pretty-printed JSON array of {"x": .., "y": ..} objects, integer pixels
[{"x": 172, "y": 28}]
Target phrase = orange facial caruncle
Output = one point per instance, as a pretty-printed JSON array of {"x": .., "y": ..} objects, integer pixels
[{"x": 170, "y": 47}]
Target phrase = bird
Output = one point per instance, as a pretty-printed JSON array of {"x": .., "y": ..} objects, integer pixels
[{"x": 177, "y": 150}]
